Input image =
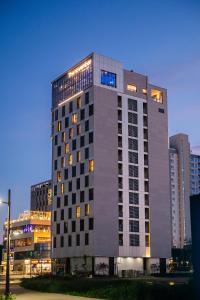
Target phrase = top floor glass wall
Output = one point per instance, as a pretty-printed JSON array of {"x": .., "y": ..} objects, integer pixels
[{"x": 74, "y": 81}]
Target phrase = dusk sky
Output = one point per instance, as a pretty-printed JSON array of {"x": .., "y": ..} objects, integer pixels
[{"x": 41, "y": 39}]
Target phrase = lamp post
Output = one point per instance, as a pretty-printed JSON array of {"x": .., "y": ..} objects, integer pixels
[{"x": 7, "y": 289}]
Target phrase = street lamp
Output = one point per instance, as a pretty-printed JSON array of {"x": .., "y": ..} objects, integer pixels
[{"x": 7, "y": 289}]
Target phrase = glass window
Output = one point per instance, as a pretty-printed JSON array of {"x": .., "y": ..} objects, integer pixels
[
  {"x": 91, "y": 223},
  {"x": 90, "y": 137},
  {"x": 132, "y": 104},
  {"x": 120, "y": 239},
  {"x": 82, "y": 196},
  {"x": 157, "y": 95},
  {"x": 58, "y": 176},
  {"x": 73, "y": 226},
  {"x": 63, "y": 111},
  {"x": 133, "y": 171},
  {"x": 131, "y": 87},
  {"x": 133, "y": 226},
  {"x": 134, "y": 240},
  {"x": 91, "y": 110},
  {"x": 119, "y": 101},
  {"x": 133, "y": 198},
  {"x": 59, "y": 126},
  {"x": 78, "y": 211},
  {"x": 78, "y": 240},
  {"x": 70, "y": 161},
  {"x": 66, "y": 122},
  {"x": 132, "y": 118},
  {"x": 86, "y": 153},
  {"x": 78, "y": 156},
  {"x": 86, "y": 239},
  {"x": 66, "y": 148},
  {"x": 91, "y": 165},
  {"x": 74, "y": 118},
  {"x": 66, "y": 174},
  {"x": 78, "y": 129},
  {"x": 108, "y": 78},
  {"x": 78, "y": 102},
  {"x": 62, "y": 188},
  {"x": 87, "y": 98},
  {"x": 82, "y": 225},
  {"x": 133, "y": 184},
  {"x": 91, "y": 194},
  {"x": 134, "y": 212},
  {"x": 87, "y": 209}
]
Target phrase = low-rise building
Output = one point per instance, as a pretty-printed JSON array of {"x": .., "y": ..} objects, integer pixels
[{"x": 30, "y": 243}]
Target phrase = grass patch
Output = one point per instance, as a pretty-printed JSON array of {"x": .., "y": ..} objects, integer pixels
[{"x": 112, "y": 289}]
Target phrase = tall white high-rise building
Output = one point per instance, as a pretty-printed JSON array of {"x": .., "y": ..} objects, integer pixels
[
  {"x": 110, "y": 171},
  {"x": 179, "y": 159}
]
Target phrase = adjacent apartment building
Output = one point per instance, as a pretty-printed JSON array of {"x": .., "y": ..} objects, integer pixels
[
  {"x": 179, "y": 160},
  {"x": 110, "y": 170},
  {"x": 41, "y": 196},
  {"x": 195, "y": 172}
]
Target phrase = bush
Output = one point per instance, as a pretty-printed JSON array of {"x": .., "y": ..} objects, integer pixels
[{"x": 112, "y": 289}]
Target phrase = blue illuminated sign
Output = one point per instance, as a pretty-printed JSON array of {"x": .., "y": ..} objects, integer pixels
[
  {"x": 108, "y": 78},
  {"x": 28, "y": 228}
]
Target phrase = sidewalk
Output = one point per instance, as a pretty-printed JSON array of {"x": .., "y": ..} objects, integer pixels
[{"x": 24, "y": 294}]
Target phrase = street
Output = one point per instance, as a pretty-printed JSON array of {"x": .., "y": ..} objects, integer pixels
[{"x": 24, "y": 294}]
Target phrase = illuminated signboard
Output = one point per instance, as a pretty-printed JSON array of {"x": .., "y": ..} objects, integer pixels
[
  {"x": 28, "y": 228},
  {"x": 108, "y": 78}
]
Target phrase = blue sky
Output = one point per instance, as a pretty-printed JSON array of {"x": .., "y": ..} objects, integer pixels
[{"x": 41, "y": 39}]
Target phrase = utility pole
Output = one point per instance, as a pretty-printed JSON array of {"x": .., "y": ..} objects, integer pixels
[{"x": 7, "y": 289}]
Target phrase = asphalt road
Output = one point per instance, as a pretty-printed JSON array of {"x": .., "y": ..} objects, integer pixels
[{"x": 24, "y": 294}]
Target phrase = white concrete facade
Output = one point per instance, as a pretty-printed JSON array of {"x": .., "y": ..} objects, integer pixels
[{"x": 109, "y": 248}]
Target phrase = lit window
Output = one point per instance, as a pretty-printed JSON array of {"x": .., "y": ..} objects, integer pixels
[
  {"x": 87, "y": 209},
  {"x": 70, "y": 159},
  {"x": 79, "y": 102},
  {"x": 62, "y": 188},
  {"x": 78, "y": 211},
  {"x": 63, "y": 136},
  {"x": 74, "y": 118},
  {"x": 108, "y": 78},
  {"x": 147, "y": 240},
  {"x": 71, "y": 133},
  {"x": 144, "y": 91},
  {"x": 91, "y": 165},
  {"x": 63, "y": 162},
  {"x": 131, "y": 87},
  {"x": 66, "y": 148},
  {"x": 157, "y": 95},
  {"x": 58, "y": 176},
  {"x": 59, "y": 126},
  {"x": 78, "y": 156}
]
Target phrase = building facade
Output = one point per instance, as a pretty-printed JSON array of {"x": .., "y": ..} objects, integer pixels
[
  {"x": 173, "y": 160},
  {"x": 30, "y": 243},
  {"x": 195, "y": 172},
  {"x": 180, "y": 189},
  {"x": 41, "y": 196},
  {"x": 110, "y": 169}
]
